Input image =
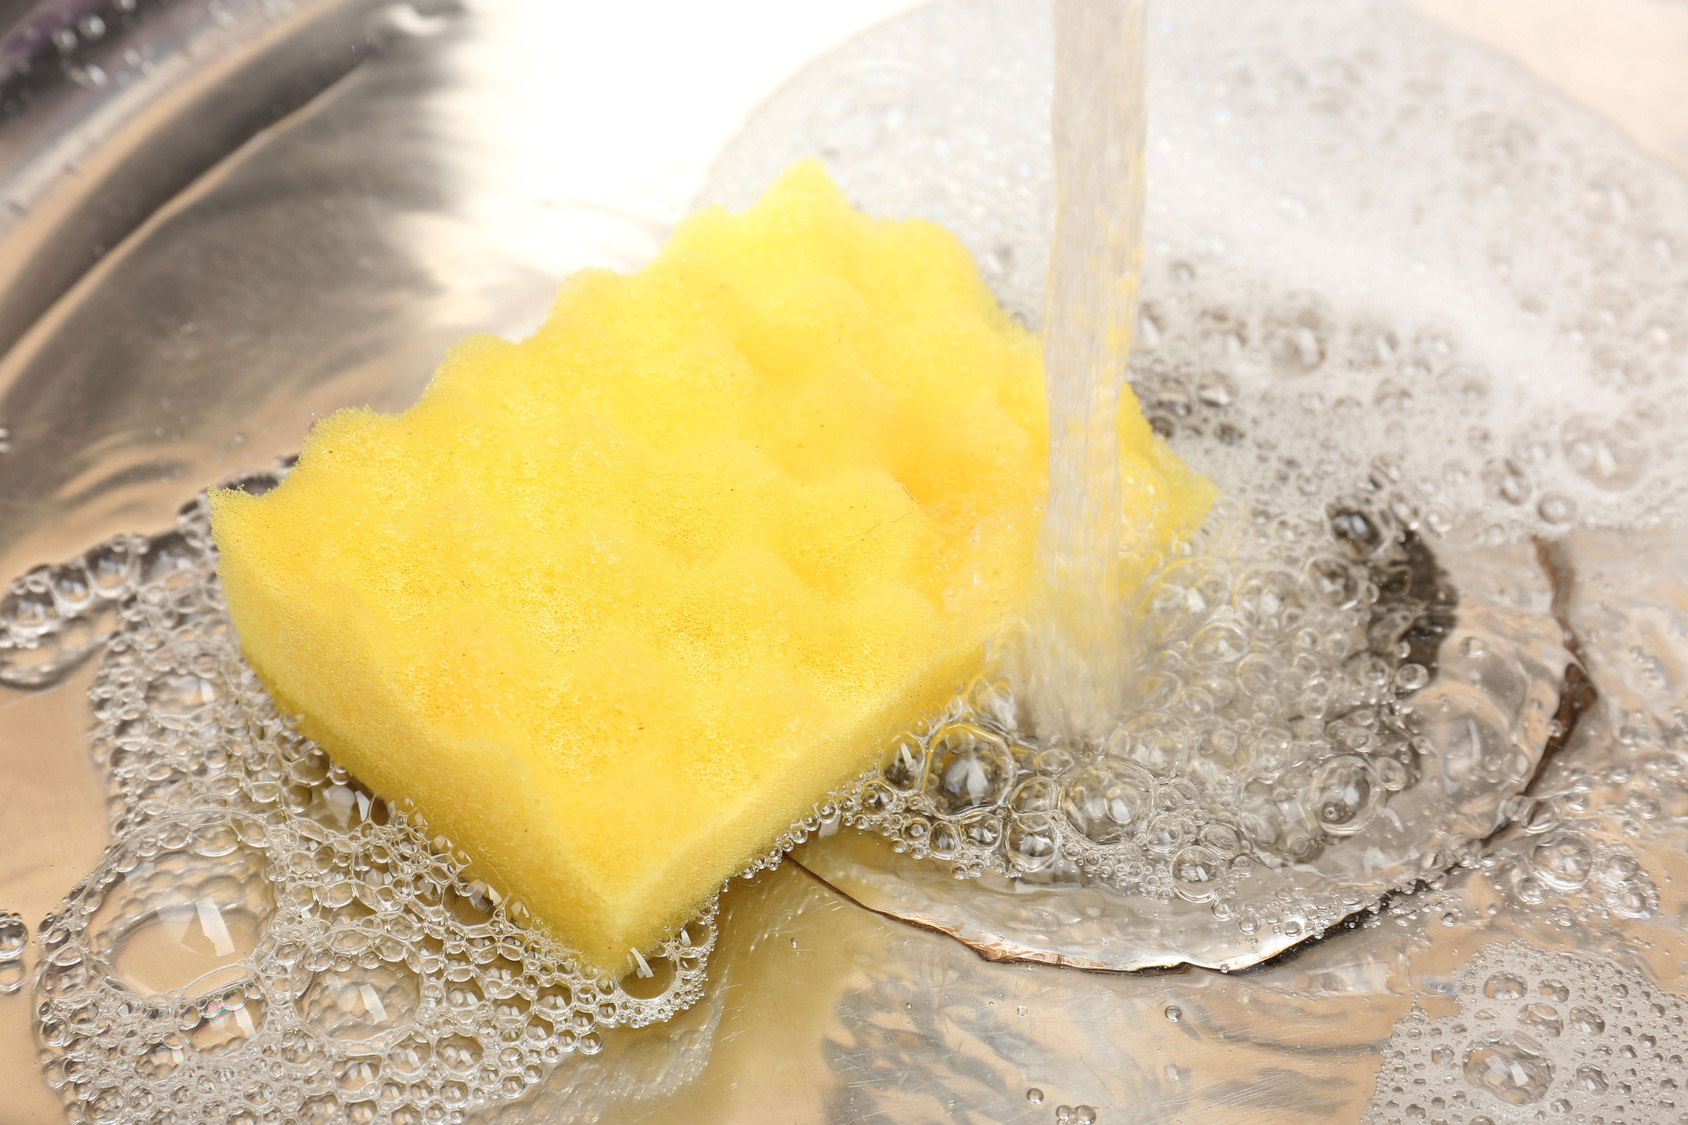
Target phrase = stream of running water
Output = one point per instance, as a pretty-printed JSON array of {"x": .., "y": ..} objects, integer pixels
[{"x": 1073, "y": 654}]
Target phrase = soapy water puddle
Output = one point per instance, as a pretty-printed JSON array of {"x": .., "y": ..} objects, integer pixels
[
  {"x": 260, "y": 910},
  {"x": 1483, "y": 349},
  {"x": 1355, "y": 671},
  {"x": 1352, "y": 675},
  {"x": 1548, "y": 1030},
  {"x": 259, "y": 904}
]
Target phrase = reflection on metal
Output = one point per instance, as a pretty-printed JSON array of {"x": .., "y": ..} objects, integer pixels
[
  {"x": 831, "y": 1013},
  {"x": 332, "y": 257},
  {"x": 1493, "y": 700},
  {"x": 14, "y": 934},
  {"x": 110, "y": 109}
]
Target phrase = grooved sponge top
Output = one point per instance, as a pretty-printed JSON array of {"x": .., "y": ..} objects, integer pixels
[{"x": 616, "y": 605}]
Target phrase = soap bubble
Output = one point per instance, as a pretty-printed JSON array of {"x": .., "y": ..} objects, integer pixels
[
  {"x": 263, "y": 919},
  {"x": 1108, "y": 803},
  {"x": 969, "y": 767},
  {"x": 1608, "y": 453},
  {"x": 1345, "y": 794},
  {"x": 1536, "y": 1028},
  {"x": 1510, "y": 1067}
]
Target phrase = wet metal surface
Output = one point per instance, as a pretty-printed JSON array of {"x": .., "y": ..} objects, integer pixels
[
  {"x": 186, "y": 289},
  {"x": 1513, "y": 686}
]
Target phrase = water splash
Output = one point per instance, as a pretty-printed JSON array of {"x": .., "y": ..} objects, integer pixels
[{"x": 1072, "y": 656}]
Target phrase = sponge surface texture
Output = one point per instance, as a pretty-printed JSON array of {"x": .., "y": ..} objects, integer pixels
[{"x": 618, "y": 604}]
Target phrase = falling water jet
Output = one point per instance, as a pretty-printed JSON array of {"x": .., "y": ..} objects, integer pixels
[{"x": 1071, "y": 657}]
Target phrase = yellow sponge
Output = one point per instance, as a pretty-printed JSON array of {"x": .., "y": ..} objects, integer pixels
[{"x": 617, "y": 604}]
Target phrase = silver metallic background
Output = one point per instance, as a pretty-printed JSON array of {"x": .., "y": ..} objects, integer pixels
[{"x": 218, "y": 219}]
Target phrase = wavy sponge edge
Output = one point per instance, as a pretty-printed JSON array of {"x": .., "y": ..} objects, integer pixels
[{"x": 618, "y": 604}]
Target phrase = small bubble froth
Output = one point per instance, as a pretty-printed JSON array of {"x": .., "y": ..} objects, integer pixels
[
  {"x": 14, "y": 935},
  {"x": 1269, "y": 722},
  {"x": 1586, "y": 1040},
  {"x": 265, "y": 920},
  {"x": 378, "y": 950}
]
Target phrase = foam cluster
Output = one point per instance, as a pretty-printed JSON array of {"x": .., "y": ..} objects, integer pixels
[
  {"x": 266, "y": 938},
  {"x": 1264, "y": 727},
  {"x": 1581, "y": 1040},
  {"x": 14, "y": 935}
]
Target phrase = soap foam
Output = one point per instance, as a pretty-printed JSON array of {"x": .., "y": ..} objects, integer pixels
[
  {"x": 1266, "y": 723},
  {"x": 1578, "y": 1039},
  {"x": 14, "y": 935},
  {"x": 261, "y": 914},
  {"x": 1473, "y": 390}
]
